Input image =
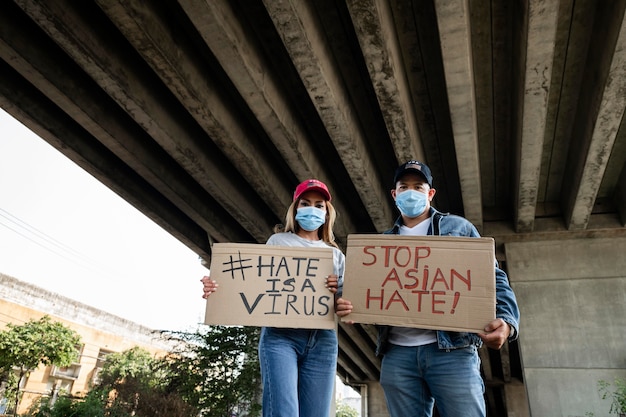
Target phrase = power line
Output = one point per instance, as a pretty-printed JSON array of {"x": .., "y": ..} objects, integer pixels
[
  {"x": 50, "y": 244},
  {"x": 15, "y": 220}
]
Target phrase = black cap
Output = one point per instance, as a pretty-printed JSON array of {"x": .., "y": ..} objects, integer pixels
[{"x": 413, "y": 166}]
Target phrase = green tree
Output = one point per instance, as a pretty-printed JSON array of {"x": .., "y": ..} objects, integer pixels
[
  {"x": 93, "y": 405},
  {"x": 617, "y": 395},
  {"x": 34, "y": 343},
  {"x": 214, "y": 370},
  {"x": 217, "y": 370},
  {"x": 132, "y": 383},
  {"x": 344, "y": 410},
  {"x": 137, "y": 385},
  {"x": 133, "y": 364}
]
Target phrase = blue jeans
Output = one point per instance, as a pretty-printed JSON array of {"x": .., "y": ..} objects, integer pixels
[
  {"x": 298, "y": 368},
  {"x": 415, "y": 378}
]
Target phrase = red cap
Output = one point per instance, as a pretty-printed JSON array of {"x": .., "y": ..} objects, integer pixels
[{"x": 311, "y": 185}]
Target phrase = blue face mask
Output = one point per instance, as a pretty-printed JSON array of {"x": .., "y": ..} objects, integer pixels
[
  {"x": 411, "y": 203},
  {"x": 310, "y": 218}
]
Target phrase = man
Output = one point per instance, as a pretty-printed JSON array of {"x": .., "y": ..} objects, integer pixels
[{"x": 422, "y": 368}]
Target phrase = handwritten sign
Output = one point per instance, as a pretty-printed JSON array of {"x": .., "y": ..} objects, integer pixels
[
  {"x": 265, "y": 285},
  {"x": 430, "y": 282}
]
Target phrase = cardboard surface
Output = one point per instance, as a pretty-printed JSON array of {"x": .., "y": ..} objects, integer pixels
[
  {"x": 265, "y": 285},
  {"x": 430, "y": 282}
]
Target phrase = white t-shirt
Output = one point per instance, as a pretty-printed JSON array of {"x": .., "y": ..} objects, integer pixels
[{"x": 409, "y": 336}]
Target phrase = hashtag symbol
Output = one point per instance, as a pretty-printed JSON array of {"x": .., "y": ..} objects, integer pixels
[{"x": 237, "y": 265}]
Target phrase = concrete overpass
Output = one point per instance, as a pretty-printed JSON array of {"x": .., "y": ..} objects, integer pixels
[{"x": 206, "y": 114}]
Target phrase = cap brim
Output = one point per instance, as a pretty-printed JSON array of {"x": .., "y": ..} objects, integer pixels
[{"x": 320, "y": 190}]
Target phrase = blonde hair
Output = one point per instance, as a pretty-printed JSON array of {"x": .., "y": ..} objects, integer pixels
[{"x": 325, "y": 232}]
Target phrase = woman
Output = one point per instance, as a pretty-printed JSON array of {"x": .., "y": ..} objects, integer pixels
[{"x": 298, "y": 366}]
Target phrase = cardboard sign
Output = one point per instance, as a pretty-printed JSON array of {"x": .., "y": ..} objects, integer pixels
[
  {"x": 265, "y": 285},
  {"x": 430, "y": 282}
]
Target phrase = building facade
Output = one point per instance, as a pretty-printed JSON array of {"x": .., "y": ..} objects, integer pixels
[{"x": 101, "y": 333}]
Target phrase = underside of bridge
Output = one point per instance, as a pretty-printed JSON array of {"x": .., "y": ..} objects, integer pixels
[{"x": 206, "y": 114}]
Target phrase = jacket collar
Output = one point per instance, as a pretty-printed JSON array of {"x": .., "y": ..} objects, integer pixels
[{"x": 434, "y": 214}]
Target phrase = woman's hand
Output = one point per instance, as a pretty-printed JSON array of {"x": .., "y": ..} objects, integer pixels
[
  {"x": 209, "y": 286},
  {"x": 332, "y": 282}
]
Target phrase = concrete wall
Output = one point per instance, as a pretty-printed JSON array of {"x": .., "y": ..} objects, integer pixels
[{"x": 572, "y": 297}]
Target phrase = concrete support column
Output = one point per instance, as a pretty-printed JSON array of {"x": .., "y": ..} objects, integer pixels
[
  {"x": 373, "y": 400},
  {"x": 516, "y": 399},
  {"x": 572, "y": 299}
]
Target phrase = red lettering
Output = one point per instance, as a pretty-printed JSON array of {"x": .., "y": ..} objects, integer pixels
[
  {"x": 366, "y": 249},
  {"x": 425, "y": 278},
  {"x": 457, "y": 295},
  {"x": 387, "y": 252},
  {"x": 439, "y": 278},
  {"x": 408, "y": 256},
  {"x": 392, "y": 276},
  {"x": 419, "y": 255},
  {"x": 437, "y": 301},
  {"x": 467, "y": 280},
  {"x": 419, "y": 298},
  {"x": 370, "y": 297},
  {"x": 409, "y": 274},
  {"x": 396, "y": 298}
]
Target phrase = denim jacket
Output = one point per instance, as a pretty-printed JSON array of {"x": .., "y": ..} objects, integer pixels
[{"x": 444, "y": 224}]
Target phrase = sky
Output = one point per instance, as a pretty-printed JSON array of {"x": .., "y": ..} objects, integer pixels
[{"x": 64, "y": 231}]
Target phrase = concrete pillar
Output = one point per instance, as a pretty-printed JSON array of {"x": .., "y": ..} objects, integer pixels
[
  {"x": 572, "y": 299},
  {"x": 373, "y": 400},
  {"x": 516, "y": 399}
]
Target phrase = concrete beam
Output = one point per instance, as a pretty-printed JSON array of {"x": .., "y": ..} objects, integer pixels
[
  {"x": 600, "y": 225},
  {"x": 359, "y": 351},
  {"x": 595, "y": 153},
  {"x": 453, "y": 19},
  {"x": 247, "y": 67},
  {"x": 376, "y": 31},
  {"x": 483, "y": 49},
  {"x": 51, "y": 72},
  {"x": 304, "y": 39},
  {"x": 573, "y": 28},
  {"x": 418, "y": 40},
  {"x": 180, "y": 67},
  {"x": 127, "y": 80},
  {"x": 506, "y": 22},
  {"x": 539, "y": 47},
  {"x": 620, "y": 196}
]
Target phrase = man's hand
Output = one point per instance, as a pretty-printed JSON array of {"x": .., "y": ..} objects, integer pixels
[
  {"x": 496, "y": 333},
  {"x": 343, "y": 307}
]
